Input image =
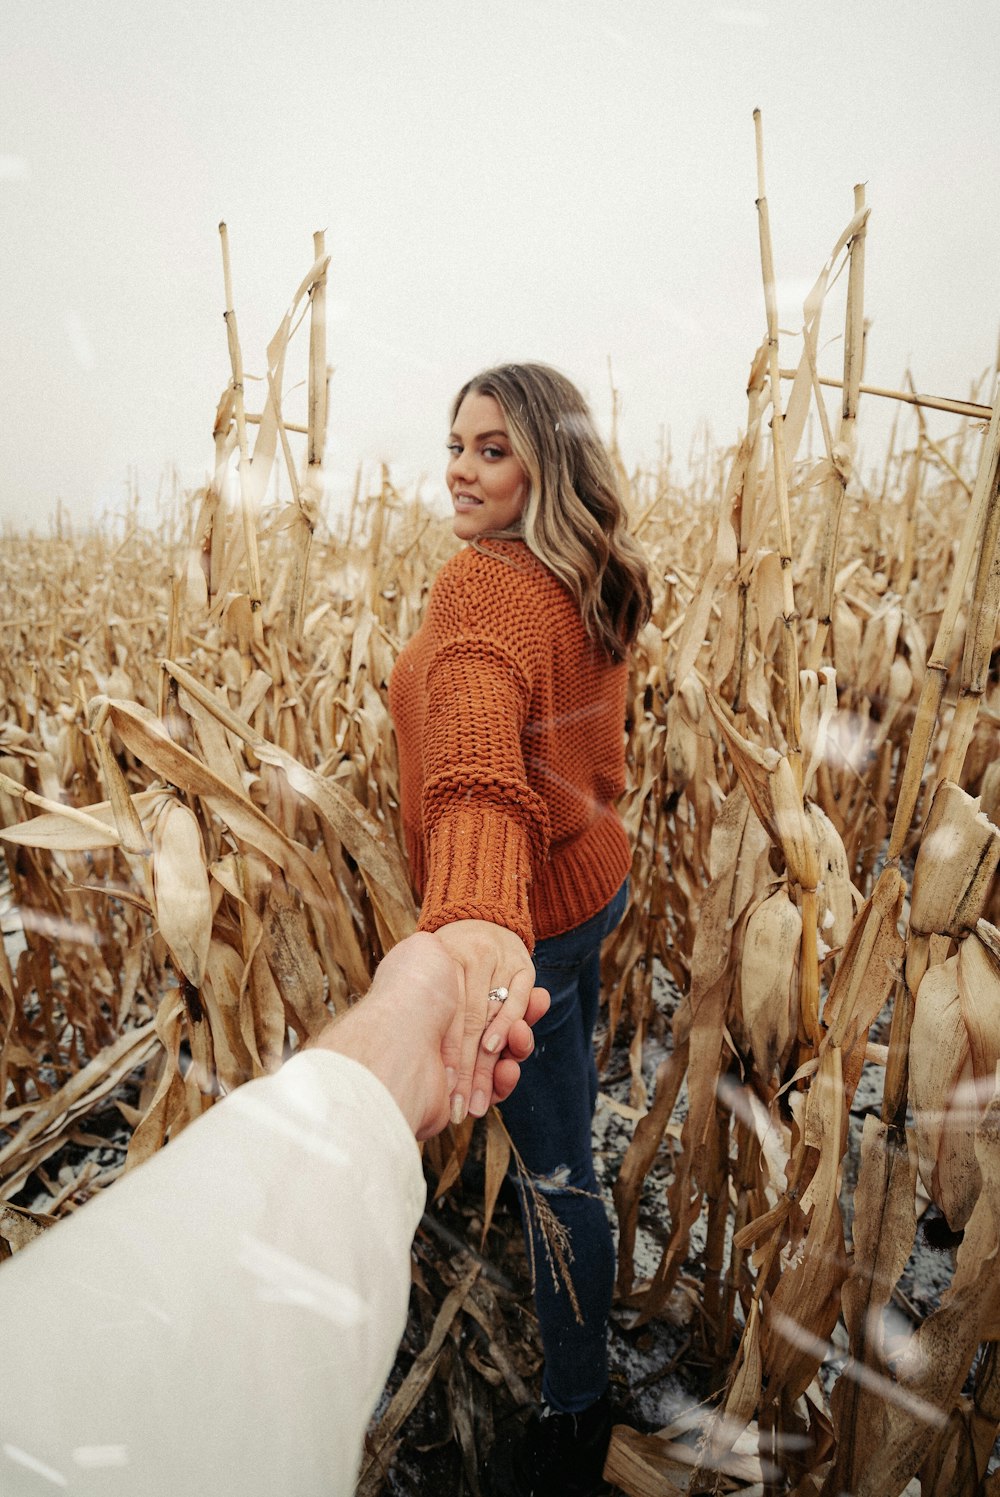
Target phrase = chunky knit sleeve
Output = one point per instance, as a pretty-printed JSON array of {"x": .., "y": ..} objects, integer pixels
[{"x": 485, "y": 828}]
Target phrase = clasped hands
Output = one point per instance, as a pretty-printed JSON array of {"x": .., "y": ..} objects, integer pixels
[
  {"x": 487, "y": 957},
  {"x": 428, "y": 1031}
]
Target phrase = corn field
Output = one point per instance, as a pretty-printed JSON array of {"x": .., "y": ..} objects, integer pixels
[{"x": 199, "y": 803}]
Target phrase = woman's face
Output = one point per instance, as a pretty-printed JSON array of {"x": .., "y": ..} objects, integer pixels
[{"x": 488, "y": 485}]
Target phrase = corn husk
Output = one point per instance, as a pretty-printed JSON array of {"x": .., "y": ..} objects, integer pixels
[
  {"x": 954, "y": 1052},
  {"x": 956, "y": 866},
  {"x": 768, "y": 987}
]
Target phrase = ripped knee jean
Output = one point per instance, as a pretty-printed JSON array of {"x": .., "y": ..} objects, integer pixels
[{"x": 549, "y": 1117}]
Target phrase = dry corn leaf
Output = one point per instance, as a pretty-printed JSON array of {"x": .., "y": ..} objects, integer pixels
[
  {"x": 681, "y": 747},
  {"x": 639, "y": 1159},
  {"x": 146, "y": 737},
  {"x": 247, "y": 878},
  {"x": 710, "y": 969},
  {"x": 698, "y": 612},
  {"x": 950, "y": 1467},
  {"x": 447, "y": 1153},
  {"x": 222, "y": 992},
  {"x": 989, "y": 800},
  {"x": 766, "y": 591},
  {"x": 658, "y": 1466},
  {"x": 769, "y": 781},
  {"x": 801, "y": 1313},
  {"x": 264, "y": 1013},
  {"x": 742, "y": 1399},
  {"x": 943, "y": 1095},
  {"x": 798, "y": 406},
  {"x": 130, "y": 829},
  {"x": 50, "y": 1121},
  {"x": 818, "y": 711},
  {"x": 291, "y": 955},
  {"x": 985, "y": 1412},
  {"x": 482, "y": 1307},
  {"x": 878, "y": 648},
  {"x": 642, "y": 1466},
  {"x": 168, "y": 1100},
  {"x": 868, "y": 971},
  {"x": 884, "y": 1226},
  {"x": 900, "y": 690},
  {"x": 67, "y": 829},
  {"x": 954, "y": 1052},
  {"x": 267, "y": 1012},
  {"x": 359, "y": 831},
  {"x": 497, "y": 1164},
  {"x": 846, "y": 640},
  {"x": 19, "y": 1227},
  {"x": 180, "y": 883}
]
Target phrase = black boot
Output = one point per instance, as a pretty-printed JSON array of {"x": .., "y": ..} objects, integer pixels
[{"x": 554, "y": 1455}]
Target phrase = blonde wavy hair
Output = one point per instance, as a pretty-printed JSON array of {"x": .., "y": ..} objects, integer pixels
[{"x": 574, "y": 519}]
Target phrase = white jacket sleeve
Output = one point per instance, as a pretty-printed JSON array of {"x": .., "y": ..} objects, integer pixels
[{"x": 221, "y": 1320}]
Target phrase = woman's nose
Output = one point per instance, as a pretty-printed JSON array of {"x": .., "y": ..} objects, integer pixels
[{"x": 461, "y": 466}]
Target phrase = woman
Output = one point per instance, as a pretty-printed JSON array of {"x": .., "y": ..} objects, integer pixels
[{"x": 509, "y": 705}]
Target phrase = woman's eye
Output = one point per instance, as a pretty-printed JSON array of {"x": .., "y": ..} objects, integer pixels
[
  {"x": 493, "y": 452},
  {"x": 453, "y": 447}
]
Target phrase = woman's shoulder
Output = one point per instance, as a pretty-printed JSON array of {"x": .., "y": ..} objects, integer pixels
[
  {"x": 504, "y": 567},
  {"x": 499, "y": 591}
]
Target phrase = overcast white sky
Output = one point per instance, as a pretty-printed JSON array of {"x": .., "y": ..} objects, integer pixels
[{"x": 569, "y": 180}]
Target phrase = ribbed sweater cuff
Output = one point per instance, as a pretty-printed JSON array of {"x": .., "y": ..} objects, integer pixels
[{"x": 478, "y": 869}]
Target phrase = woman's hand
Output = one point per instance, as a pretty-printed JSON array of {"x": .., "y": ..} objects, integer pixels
[
  {"x": 488, "y": 956},
  {"x": 520, "y": 1044}
]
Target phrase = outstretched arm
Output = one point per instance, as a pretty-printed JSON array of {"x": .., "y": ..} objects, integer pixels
[
  {"x": 485, "y": 829},
  {"x": 223, "y": 1318}
]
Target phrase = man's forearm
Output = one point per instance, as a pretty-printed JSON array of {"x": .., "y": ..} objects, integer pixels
[{"x": 223, "y": 1319}]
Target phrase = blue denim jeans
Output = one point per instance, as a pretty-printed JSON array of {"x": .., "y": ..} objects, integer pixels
[{"x": 549, "y": 1116}]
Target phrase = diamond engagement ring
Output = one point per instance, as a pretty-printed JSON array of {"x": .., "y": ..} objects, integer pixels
[{"x": 497, "y": 995}]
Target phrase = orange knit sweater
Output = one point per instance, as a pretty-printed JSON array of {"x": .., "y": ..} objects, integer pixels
[{"x": 511, "y": 731}]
